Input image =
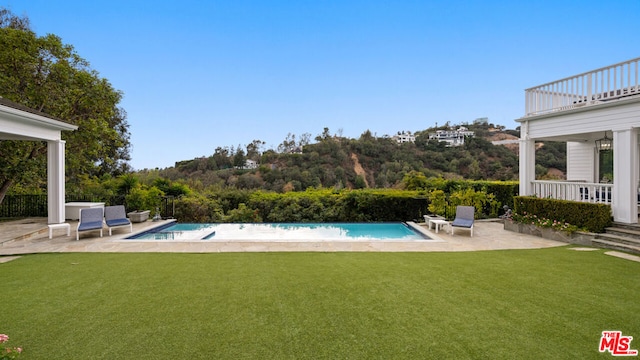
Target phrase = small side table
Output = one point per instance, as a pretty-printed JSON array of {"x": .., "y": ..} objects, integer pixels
[
  {"x": 430, "y": 218},
  {"x": 439, "y": 222},
  {"x": 65, "y": 226}
]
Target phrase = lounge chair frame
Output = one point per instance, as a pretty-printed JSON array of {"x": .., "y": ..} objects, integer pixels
[
  {"x": 464, "y": 219},
  {"x": 90, "y": 219},
  {"x": 115, "y": 216}
]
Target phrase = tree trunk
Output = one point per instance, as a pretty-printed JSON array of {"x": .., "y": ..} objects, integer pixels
[{"x": 4, "y": 187}]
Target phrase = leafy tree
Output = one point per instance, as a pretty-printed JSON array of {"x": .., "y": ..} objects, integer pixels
[
  {"x": 239, "y": 158},
  {"x": 288, "y": 145},
  {"x": 415, "y": 180},
  {"x": 254, "y": 149},
  {"x": 324, "y": 136},
  {"x": 305, "y": 139},
  {"x": 144, "y": 198},
  {"x": 43, "y": 73},
  {"x": 127, "y": 182},
  {"x": 359, "y": 182},
  {"x": 222, "y": 157}
]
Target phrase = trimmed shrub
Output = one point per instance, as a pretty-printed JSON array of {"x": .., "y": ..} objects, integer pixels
[
  {"x": 243, "y": 214},
  {"x": 198, "y": 209},
  {"x": 383, "y": 205},
  {"x": 592, "y": 217}
]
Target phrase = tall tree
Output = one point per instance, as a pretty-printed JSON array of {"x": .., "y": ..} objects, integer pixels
[
  {"x": 45, "y": 74},
  {"x": 254, "y": 149}
]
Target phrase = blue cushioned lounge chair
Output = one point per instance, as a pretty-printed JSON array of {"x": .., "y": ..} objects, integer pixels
[
  {"x": 116, "y": 216},
  {"x": 90, "y": 219},
  {"x": 464, "y": 218}
]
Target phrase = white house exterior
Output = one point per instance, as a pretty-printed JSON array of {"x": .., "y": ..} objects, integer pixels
[
  {"x": 250, "y": 164},
  {"x": 452, "y": 137},
  {"x": 579, "y": 110},
  {"x": 404, "y": 138},
  {"x": 18, "y": 123}
]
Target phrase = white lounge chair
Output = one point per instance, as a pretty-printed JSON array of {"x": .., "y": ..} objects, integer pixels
[
  {"x": 116, "y": 216},
  {"x": 90, "y": 219},
  {"x": 464, "y": 218}
]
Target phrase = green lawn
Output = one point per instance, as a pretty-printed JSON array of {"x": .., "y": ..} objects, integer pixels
[{"x": 550, "y": 303}]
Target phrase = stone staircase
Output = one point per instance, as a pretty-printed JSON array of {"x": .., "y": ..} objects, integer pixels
[{"x": 621, "y": 237}]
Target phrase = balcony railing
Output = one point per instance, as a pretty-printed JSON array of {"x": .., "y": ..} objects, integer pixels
[
  {"x": 590, "y": 88},
  {"x": 575, "y": 191}
]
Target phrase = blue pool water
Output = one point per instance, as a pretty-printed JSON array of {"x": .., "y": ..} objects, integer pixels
[{"x": 283, "y": 232}]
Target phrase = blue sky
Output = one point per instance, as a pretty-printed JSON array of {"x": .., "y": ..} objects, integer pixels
[{"x": 201, "y": 74}]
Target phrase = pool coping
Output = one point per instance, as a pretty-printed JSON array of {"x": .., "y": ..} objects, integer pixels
[{"x": 427, "y": 236}]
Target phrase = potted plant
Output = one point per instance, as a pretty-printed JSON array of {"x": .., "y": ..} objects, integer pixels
[{"x": 138, "y": 216}]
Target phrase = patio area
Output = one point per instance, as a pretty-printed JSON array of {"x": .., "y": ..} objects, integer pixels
[{"x": 29, "y": 236}]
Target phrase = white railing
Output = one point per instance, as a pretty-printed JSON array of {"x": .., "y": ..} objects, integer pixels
[
  {"x": 590, "y": 88},
  {"x": 575, "y": 191}
]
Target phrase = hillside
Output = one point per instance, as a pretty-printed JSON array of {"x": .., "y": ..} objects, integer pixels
[{"x": 366, "y": 162}]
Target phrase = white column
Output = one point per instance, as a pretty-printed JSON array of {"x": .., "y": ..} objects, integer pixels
[
  {"x": 527, "y": 166},
  {"x": 55, "y": 181},
  {"x": 625, "y": 181}
]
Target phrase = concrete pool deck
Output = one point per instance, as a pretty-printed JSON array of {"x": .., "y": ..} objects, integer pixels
[{"x": 31, "y": 236}]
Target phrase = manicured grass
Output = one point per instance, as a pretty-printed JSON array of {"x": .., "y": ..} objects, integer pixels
[{"x": 551, "y": 303}]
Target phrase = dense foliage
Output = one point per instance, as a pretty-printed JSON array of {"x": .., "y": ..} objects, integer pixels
[{"x": 331, "y": 205}]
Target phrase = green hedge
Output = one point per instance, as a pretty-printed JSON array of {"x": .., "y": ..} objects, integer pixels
[
  {"x": 383, "y": 205},
  {"x": 592, "y": 217},
  {"x": 323, "y": 205},
  {"x": 327, "y": 205}
]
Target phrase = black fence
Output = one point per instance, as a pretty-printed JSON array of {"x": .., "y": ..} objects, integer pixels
[
  {"x": 21, "y": 206},
  {"x": 17, "y": 206}
]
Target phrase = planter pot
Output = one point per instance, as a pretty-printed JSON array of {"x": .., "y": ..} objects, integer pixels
[
  {"x": 139, "y": 216},
  {"x": 580, "y": 238},
  {"x": 512, "y": 226}
]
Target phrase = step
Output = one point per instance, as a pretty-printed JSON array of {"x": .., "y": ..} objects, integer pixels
[
  {"x": 620, "y": 237},
  {"x": 617, "y": 225},
  {"x": 27, "y": 236},
  {"x": 601, "y": 243}
]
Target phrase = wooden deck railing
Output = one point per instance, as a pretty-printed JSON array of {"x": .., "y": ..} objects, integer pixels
[{"x": 590, "y": 88}]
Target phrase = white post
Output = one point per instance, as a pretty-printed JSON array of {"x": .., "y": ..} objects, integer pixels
[
  {"x": 625, "y": 181},
  {"x": 55, "y": 181},
  {"x": 527, "y": 161}
]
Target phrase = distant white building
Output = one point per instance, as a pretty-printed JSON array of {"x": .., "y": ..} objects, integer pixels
[
  {"x": 250, "y": 164},
  {"x": 404, "y": 138},
  {"x": 452, "y": 137}
]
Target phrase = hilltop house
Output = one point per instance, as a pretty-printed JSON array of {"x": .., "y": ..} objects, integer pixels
[
  {"x": 250, "y": 164},
  {"x": 452, "y": 137},
  {"x": 597, "y": 114},
  {"x": 404, "y": 137}
]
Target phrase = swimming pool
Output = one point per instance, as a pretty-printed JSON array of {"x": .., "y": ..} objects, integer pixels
[{"x": 285, "y": 232}]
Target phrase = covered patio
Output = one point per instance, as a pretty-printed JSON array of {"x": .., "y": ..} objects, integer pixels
[
  {"x": 21, "y": 123},
  {"x": 597, "y": 114}
]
